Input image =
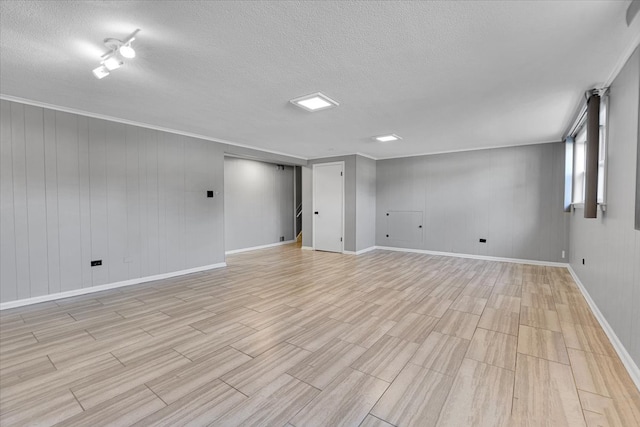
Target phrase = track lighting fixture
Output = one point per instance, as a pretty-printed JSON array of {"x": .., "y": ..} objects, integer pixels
[{"x": 113, "y": 59}]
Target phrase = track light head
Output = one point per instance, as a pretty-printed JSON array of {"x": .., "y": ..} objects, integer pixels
[
  {"x": 127, "y": 51},
  {"x": 112, "y": 63},
  {"x": 101, "y": 72}
]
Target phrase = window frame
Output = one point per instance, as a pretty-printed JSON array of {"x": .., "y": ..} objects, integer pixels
[{"x": 578, "y": 148}]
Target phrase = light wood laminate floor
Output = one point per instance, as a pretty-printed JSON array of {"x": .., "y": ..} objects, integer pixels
[{"x": 286, "y": 337}]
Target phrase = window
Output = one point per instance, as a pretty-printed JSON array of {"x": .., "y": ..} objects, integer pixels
[
  {"x": 602, "y": 172},
  {"x": 579, "y": 165},
  {"x": 580, "y": 156}
]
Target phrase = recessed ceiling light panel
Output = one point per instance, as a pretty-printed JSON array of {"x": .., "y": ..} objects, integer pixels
[
  {"x": 314, "y": 102},
  {"x": 387, "y": 138}
]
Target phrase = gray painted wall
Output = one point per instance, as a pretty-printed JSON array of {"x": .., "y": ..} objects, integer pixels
[
  {"x": 307, "y": 206},
  {"x": 258, "y": 203},
  {"x": 609, "y": 244},
  {"x": 365, "y": 203},
  {"x": 360, "y": 194},
  {"x": 297, "y": 174},
  {"x": 74, "y": 189},
  {"x": 510, "y": 196},
  {"x": 349, "y": 200}
]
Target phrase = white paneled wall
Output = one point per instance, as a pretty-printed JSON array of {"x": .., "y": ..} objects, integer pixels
[{"x": 75, "y": 189}]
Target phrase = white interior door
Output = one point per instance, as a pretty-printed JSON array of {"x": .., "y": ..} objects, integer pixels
[{"x": 328, "y": 206}]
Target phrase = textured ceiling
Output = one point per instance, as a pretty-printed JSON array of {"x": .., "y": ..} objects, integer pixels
[{"x": 445, "y": 76}]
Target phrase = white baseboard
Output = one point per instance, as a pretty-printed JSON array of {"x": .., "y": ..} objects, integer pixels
[
  {"x": 307, "y": 248},
  {"x": 254, "y": 248},
  {"x": 482, "y": 257},
  {"x": 83, "y": 291},
  {"x": 627, "y": 361},
  {"x": 360, "y": 252}
]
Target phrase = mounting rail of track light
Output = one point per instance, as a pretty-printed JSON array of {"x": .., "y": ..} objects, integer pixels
[{"x": 119, "y": 50}]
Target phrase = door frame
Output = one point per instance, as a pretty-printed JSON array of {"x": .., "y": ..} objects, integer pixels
[{"x": 313, "y": 202}]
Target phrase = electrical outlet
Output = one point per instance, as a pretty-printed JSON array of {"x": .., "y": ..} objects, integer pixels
[
  {"x": 96, "y": 263},
  {"x": 282, "y": 238},
  {"x": 483, "y": 240}
]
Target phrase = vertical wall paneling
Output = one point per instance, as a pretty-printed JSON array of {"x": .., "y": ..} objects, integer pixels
[
  {"x": 434, "y": 197},
  {"x": 52, "y": 209},
  {"x": 497, "y": 194},
  {"x": 502, "y": 204},
  {"x": 285, "y": 185},
  {"x": 8, "y": 273},
  {"x": 18, "y": 150},
  {"x": 143, "y": 197},
  {"x": 481, "y": 216},
  {"x": 198, "y": 179},
  {"x": 116, "y": 202},
  {"x": 307, "y": 206},
  {"x": 527, "y": 243},
  {"x": 132, "y": 254},
  {"x": 557, "y": 241},
  {"x": 36, "y": 201},
  {"x": 217, "y": 224},
  {"x": 68, "y": 201},
  {"x": 98, "y": 201},
  {"x": 269, "y": 195},
  {"x": 85, "y": 200},
  {"x": 174, "y": 185},
  {"x": 150, "y": 259},
  {"x": 365, "y": 203},
  {"x": 75, "y": 189},
  {"x": 259, "y": 206},
  {"x": 609, "y": 244},
  {"x": 162, "y": 202}
]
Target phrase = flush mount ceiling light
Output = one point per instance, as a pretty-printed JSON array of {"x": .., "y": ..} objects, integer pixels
[
  {"x": 314, "y": 102},
  {"x": 118, "y": 49},
  {"x": 387, "y": 138}
]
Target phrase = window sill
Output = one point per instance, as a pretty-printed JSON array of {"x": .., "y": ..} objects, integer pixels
[{"x": 601, "y": 206}]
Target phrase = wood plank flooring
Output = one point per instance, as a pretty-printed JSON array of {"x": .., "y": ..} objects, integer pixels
[{"x": 286, "y": 337}]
